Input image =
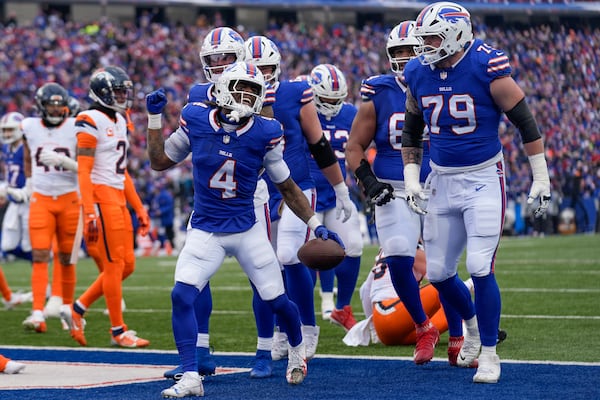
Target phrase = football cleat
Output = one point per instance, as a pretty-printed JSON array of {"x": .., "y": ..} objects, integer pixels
[
  {"x": 263, "y": 365},
  {"x": 189, "y": 385},
  {"x": 488, "y": 370},
  {"x": 343, "y": 317},
  {"x": 454, "y": 345},
  {"x": 206, "y": 365},
  {"x": 17, "y": 298},
  {"x": 33, "y": 323},
  {"x": 469, "y": 351},
  {"x": 280, "y": 346},
  {"x": 75, "y": 322},
  {"x": 427, "y": 337},
  {"x": 296, "y": 368},
  {"x": 128, "y": 339},
  {"x": 13, "y": 367},
  {"x": 52, "y": 309}
]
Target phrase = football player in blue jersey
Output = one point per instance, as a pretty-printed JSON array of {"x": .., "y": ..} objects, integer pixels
[
  {"x": 297, "y": 113},
  {"x": 458, "y": 88},
  {"x": 330, "y": 91},
  {"x": 220, "y": 48},
  {"x": 230, "y": 145},
  {"x": 380, "y": 118}
]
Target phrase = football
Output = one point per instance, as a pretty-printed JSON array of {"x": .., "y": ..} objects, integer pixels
[{"x": 321, "y": 255}]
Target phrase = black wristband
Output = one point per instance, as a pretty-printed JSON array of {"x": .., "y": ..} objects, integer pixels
[
  {"x": 323, "y": 153},
  {"x": 364, "y": 173},
  {"x": 521, "y": 117}
]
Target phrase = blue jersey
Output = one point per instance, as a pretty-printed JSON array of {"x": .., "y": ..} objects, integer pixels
[
  {"x": 457, "y": 106},
  {"x": 15, "y": 172},
  {"x": 336, "y": 130},
  {"x": 291, "y": 97},
  {"x": 226, "y": 167},
  {"x": 389, "y": 99},
  {"x": 201, "y": 92}
]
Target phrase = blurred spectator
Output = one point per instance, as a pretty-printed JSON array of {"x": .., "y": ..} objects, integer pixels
[{"x": 556, "y": 66}]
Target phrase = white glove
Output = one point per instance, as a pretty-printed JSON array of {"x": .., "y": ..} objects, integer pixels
[
  {"x": 342, "y": 201},
  {"x": 21, "y": 195},
  {"x": 413, "y": 188},
  {"x": 541, "y": 184},
  {"x": 3, "y": 190},
  {"x": 53, "y": 159}
]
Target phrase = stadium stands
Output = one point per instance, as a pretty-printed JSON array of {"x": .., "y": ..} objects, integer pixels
[{"x": 557, "y": 66}]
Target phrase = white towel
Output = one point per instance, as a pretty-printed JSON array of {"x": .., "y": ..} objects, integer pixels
[{"x": 360, "y": 334}]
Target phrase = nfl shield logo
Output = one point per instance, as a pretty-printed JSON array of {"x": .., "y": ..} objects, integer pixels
[
  {"x": 226, "y": 139},
  {"x": 443, "y": 75}
]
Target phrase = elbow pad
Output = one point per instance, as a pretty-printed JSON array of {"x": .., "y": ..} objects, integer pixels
[
  {"x": 412, "y": 130},
  {"x": 521, "y": 117},
  {"x": 323, "y": 153}
]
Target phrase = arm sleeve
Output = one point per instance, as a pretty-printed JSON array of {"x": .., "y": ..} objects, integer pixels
[
  {"x": 131, "y": 193},
  {"x": 275, "y": 165},
  {"x": 177, "y": 146}
]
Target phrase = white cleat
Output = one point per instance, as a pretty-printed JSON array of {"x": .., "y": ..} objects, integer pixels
[
  {"x": 279, "y": 350},
  {"x": 13, "y": 367},
  {"x": 52, "y": 309},
  {"x": 296, "y": 368},
  {"x": 469, "y": 351},
  {"x": 488, "y": 370},
  {"x": 190, "y": 385},
  {"x": 310, "y": 336},
  {"x": 17, "y": 298}
]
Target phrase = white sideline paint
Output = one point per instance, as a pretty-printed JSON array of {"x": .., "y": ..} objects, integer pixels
[{"x": 80, "y": 375}]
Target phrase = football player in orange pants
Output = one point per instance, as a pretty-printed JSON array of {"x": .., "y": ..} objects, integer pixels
[
  {"x": 102, "y": 158},
  {"x": 49, "y": 146}
]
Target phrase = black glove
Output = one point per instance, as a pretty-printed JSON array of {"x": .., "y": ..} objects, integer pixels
[{"x": 378, "y": 193}]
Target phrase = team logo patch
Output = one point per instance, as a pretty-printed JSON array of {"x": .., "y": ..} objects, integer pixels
[{"x": 226, "y": 139}]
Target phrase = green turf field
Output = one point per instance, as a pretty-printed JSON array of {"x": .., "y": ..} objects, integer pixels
[{"x": 550, "y": 292}]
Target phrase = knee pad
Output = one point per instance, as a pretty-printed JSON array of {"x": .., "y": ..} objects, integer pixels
[{"x": 399, "y": 246}]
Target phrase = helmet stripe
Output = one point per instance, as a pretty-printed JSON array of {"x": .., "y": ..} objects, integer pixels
[
  {"x": 335, "y": 80},
  {"x": 422, "y": 14},
  {"x": 256, "y": 48},
  {"x": 403, "y": 31},
  {"x": 216, "y": 36}
]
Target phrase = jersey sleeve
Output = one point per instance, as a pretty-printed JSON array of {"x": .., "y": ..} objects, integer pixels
[{"x": 368, "y": 89}]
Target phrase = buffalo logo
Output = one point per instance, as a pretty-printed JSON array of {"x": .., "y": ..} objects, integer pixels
[{"x": 453, "y": 14}]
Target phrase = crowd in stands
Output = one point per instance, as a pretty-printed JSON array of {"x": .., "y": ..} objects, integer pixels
[{"x": 557, "y": 67}]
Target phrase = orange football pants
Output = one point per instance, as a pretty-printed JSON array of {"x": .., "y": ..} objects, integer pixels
[
  {"x": 50, "y": 217},
  {"x": 394, "y": 325},
  {"x": 115, "y": 235}
]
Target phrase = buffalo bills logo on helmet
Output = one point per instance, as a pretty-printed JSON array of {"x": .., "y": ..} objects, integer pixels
[{"x": 453, "y": 14}]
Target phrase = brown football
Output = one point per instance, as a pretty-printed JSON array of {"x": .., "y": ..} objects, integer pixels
[{"x": 321, "y": 255}]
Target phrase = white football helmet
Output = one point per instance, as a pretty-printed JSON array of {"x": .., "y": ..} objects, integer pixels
[
  {"x": 219, "y": 46},
  {"x": 10, "y": 125},
  {"x": 231, "y": 90},
  {"x": 328, "y": 83},
  {"x": 262, "y": 52},
  {"x": 400, "y": 36},
  {"x": 451, "y": 22}
]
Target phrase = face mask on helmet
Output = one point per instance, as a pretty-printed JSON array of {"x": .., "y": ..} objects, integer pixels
[
  {"x": 241, "y": 88},
  {"x": 220, "y": 48},
  {"x": 10, "y": 125},
  {"x": 330, "y": 89},
  {"x": 52, "y": 101},
  {"x": 401, "y": 38},
  {"x": 448, "y": 21},
  {"x": 112, "y": 88},
  {"x": 263, "y": 53}
]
